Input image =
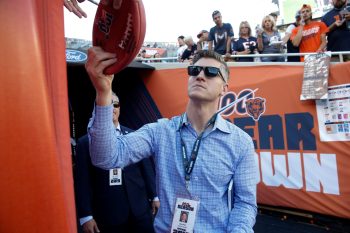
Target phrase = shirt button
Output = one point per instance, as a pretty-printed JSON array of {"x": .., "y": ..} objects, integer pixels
[{"x": 196, "y": 178}]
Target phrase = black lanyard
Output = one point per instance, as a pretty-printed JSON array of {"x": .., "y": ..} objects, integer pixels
[{"x": 189, "y": 164}]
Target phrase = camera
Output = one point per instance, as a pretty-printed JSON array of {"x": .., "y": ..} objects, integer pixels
[{"x": 252, "y": 48}]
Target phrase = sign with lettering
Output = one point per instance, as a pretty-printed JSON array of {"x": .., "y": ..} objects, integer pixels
[
  {"x": 296, "y": 168},
  {"x": 75, "y": 56}
]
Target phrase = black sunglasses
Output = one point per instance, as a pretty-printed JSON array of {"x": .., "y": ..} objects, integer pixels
[
  {"x": 116, "y": 104},
  {"x": 209, "y": 71}
]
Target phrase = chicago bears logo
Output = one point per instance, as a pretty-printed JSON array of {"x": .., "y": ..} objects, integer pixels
[{"x": 255, "y": 107}]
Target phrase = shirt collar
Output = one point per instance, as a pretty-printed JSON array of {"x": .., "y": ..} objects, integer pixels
[
  {"x": 118, "y": 127},
  {"x": 220, "y": 123}
]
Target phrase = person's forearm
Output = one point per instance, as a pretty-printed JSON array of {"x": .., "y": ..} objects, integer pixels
[
  {"x": 323, "y": 43},
  {"x": 108, "y": 149},
  {"x": 260, "y": 43},
  {"x": 104, "y": 98},
  {"x": 286, "y": 38},
  {"x": 322, "y": 47},
  {"x": 332, "y": 27},
  {"x": 210, "y": 46},
  {"x": 228, "y": 45},
  {"x": 241, "y": 53},
  {"x": 102, "y": 138},
  {"x": 199, "y": 46},
  {"x": 297, "y": 39}
]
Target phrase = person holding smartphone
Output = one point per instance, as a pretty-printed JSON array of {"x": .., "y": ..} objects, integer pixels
[
  {"x": 269, "y": 40},
  {"x": 310, "y": 35}
]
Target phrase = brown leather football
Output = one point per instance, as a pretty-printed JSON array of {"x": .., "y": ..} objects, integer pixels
[{"x": 119, "y": 27}]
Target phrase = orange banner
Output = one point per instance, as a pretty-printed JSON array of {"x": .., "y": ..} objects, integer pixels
[
  {"x": 36, "y": 167},
  {"x": 296, "y": 168}
]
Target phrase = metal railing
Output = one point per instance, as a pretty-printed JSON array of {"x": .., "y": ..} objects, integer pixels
[{"x": 174, "y": 59}]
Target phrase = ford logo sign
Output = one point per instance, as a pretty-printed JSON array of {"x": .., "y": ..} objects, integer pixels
[{"x": 75, "y": 56}]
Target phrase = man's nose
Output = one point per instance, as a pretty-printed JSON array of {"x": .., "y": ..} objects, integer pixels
[{"x": 201, "y": 75}]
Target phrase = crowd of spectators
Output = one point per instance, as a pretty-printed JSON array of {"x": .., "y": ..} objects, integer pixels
[
  {"x": 304, "y": 35},
  {"x": 331, "y": 33}
]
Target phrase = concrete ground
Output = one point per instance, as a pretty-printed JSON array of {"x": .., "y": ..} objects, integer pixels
[{"x": 270, "y": 221}]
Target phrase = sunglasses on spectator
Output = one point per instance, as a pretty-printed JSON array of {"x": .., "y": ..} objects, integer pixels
[
  {"x": 116, "y": 104},
  {"x": 209, "y": 71}
]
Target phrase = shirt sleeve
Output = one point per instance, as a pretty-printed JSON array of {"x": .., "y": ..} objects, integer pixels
[
  {"x": 108, "y": 149},
  {"x": 82, "y": 221},
  {"x": 230, "y": 30},
  {"x": 242, "y": 216},
  {"x": 211, "y": 35},
  {"x": 327, "y": 19},
  {"x": 185, "y": 55},
  {"x": 324, "y": 28},
  {"x": 290, "y": 28},
  {"x": 294, "y": 33}
]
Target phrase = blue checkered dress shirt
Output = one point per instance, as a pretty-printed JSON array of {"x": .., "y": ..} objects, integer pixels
[{"x": 226, "y": 152}]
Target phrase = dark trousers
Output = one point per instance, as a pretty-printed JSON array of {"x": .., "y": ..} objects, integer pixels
[{"x": 140, "y": 224}]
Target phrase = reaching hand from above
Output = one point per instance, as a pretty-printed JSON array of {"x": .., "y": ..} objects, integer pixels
[
  {"x": 72, "y": 6},
  {"x": 97, "y": 62}
]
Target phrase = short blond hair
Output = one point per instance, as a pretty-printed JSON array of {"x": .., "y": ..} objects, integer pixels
[
  {"x": 273, "y": 27},
  {"x": 188, "y": 38},
  {"x": 248, "y": 25}
]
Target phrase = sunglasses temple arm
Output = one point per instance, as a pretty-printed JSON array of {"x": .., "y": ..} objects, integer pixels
[{"x": 235, "y": 102}]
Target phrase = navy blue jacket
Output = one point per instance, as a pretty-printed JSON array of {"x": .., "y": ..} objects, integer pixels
[{"x": 111, "y": 205}]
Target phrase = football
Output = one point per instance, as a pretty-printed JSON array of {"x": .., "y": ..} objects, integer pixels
[{"x": 120, "y": 28}]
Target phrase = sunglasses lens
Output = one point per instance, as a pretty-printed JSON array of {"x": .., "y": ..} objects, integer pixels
[
  {"x": 211, "y": 71},
  {"x": 116, "y": 105},
  {"x": 194, "y": 70}
]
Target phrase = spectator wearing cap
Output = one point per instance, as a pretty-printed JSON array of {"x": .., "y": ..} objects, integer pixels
[
  {"x": 338, "y": 22},
  {"x": 269, "y": 40},
  {"x": 221, "y": 34},
  {"x": 310, "y": 35},
  {"x": 286, "y": 39},
  {"x": 245, "y": 44},
  {"x": 274, "y": 16},
  {"x": 202, "y": 43},
  {"x": 182, "y": 47}
]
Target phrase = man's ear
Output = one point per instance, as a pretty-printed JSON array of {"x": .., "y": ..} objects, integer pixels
[{"x": 224, "y": 89}]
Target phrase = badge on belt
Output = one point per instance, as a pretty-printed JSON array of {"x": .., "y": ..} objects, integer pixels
[{"x": 115, "y": 176}]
